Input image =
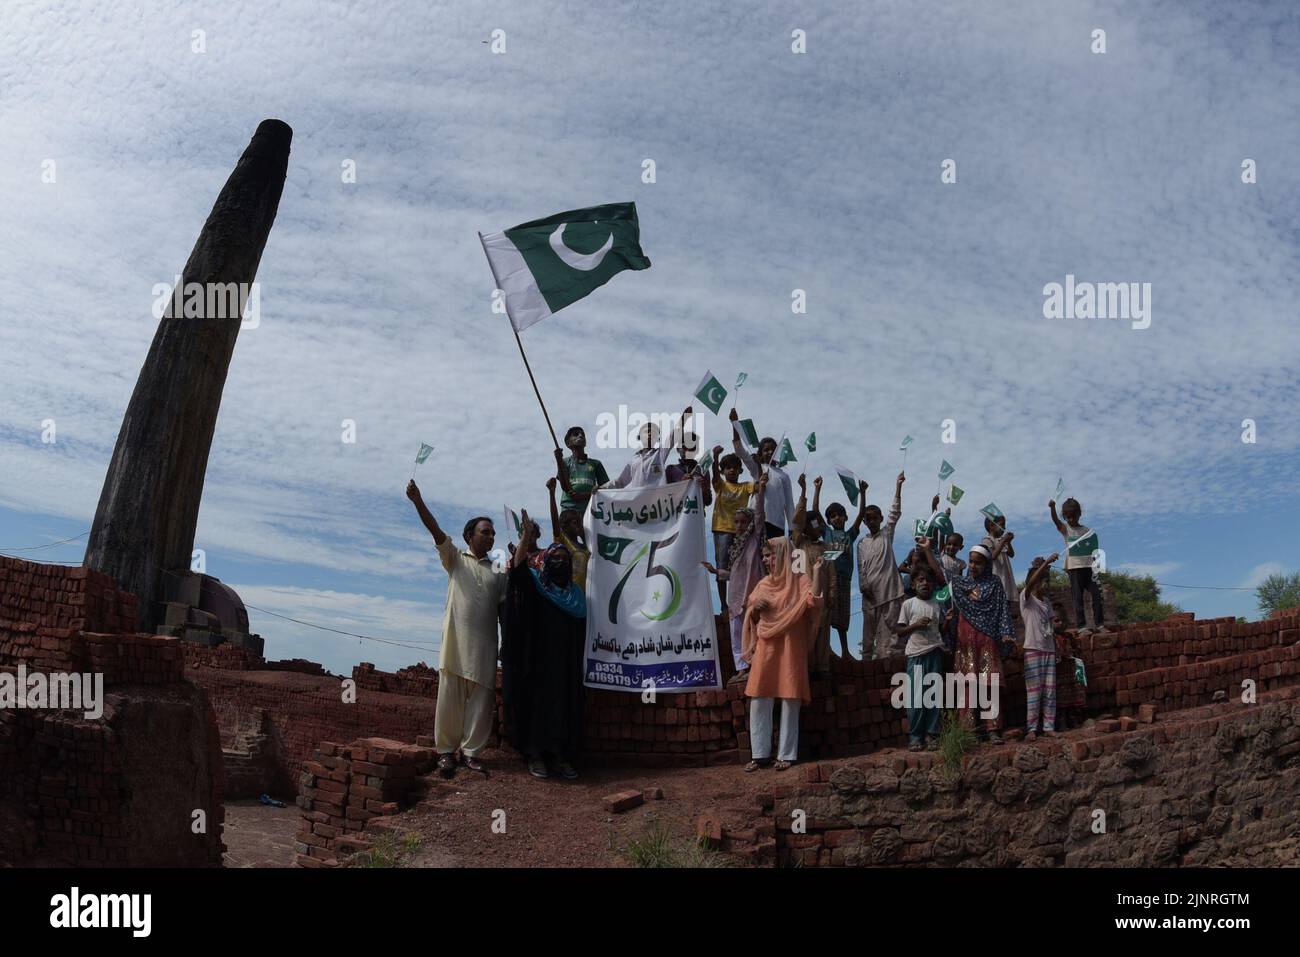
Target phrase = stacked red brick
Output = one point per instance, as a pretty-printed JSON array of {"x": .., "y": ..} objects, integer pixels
[
  {"x": 43, "y": 606},
  {"x": 418, "y": 679},
  {"x": 345, "y": 786},
  {"x": 70, "y": 786},
  {"x": 305, "y": 709},
  {"x": 1181, "y": 663},
  {"x": 224, "y": 657}
]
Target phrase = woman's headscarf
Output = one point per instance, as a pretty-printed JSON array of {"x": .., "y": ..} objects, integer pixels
[
  {"x": 740, "y": 538},
  {"x": 988, "y": 612},
  {"x": 570, "y": 599},
  {"x": 788, "y": 598}
]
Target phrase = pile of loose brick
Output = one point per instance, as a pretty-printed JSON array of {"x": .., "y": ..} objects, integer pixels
[{"x": 343, "y": 787}]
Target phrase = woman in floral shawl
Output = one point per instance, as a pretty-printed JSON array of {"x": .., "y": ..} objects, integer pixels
[
  {"x": 543, "y": 629},
  {"x": 984, "y": 632}
]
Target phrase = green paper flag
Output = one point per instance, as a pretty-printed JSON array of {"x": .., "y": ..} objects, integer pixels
[
  {"x": 786, "y": 455},
  {"x": 711, "y": 392},
  {"x": 811, "y": 442},
  {"x": 611, "y": 548},
  {"x": 945, "y": 470},
  {"x": 1060, "y": 487},
  {"x": 943, "y": 594},
  {"x": 740, "y": 379},
  {"x": 850, "y": 483},
  {"x": 547, "y": 264},
  {"x": 423, "y": 455},
  {"x": 706, "y": 463},
  {"x": 749, "y": 433},
  {"x": 1084, "y": 545},
  {"x": 907, "y": 440},
  {"x": 955, "y": 494},
  {"x": 991, "y": 511},
  {"x": 512, "y": 522}
]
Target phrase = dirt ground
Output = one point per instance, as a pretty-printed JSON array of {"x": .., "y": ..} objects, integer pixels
[
  {"x": 548, "y": 823},
  {"x": 259, "y": 836}
]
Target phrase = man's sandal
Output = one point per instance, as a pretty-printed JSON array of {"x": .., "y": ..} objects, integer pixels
[{"x": 783, "y": 765}]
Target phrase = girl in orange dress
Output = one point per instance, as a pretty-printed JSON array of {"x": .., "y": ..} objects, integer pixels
[{"x": 781, "y": 619}]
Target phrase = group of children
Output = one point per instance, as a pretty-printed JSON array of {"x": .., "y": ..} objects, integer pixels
[{"x": 785, "y": 572}]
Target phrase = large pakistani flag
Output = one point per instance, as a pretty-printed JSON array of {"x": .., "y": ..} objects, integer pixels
[{"x": 547, "y": 264}]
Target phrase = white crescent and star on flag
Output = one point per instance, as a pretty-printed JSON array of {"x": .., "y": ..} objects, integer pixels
[{"x": 585, "y": 262}]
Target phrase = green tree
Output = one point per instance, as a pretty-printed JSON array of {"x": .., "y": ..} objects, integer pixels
[
  {"x": 1137, "y": 597},
  {"x": 1277, "y": 592}
]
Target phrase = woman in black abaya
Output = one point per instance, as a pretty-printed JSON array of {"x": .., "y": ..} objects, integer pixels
[{"x": 543, "y": 629}]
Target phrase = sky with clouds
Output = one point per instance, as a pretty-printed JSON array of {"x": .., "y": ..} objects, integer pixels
[{"x": 775, "y": 171}]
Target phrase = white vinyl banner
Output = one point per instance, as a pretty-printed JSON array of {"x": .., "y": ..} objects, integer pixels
[{"x": 650, "y": 618}]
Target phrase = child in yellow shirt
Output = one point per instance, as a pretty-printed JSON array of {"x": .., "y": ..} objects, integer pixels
[{"x": 731, "y": 495}]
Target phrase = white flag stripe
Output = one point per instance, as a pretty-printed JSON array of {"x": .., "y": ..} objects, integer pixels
[{"x": 525, "y": 304}]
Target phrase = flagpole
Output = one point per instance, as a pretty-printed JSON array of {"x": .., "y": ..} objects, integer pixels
[
  {"x": 523, "y": 355},
  {"x": 519, "y": 342}
]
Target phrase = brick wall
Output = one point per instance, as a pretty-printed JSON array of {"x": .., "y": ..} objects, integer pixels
[
  {"x": 302, "y": 710},
  {"x": 851, "y": 713},
  {"x": 1203, "y": 787},
  {"x": 120, "y": 789}
]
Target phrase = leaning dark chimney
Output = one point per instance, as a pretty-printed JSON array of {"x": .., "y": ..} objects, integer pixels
[{"x": 149, "y": 506}]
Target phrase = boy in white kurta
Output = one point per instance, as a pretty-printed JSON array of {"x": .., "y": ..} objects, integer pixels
[{"x": 879, "y": 581}]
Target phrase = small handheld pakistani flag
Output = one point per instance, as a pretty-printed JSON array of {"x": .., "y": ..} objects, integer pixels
[
  {"x": 850, "y": 483},
  {"x": 740, "y": 380},
  {"x": 706, "y": 463},
  {"x": 786, "y": 455},
  {"x": 1060, "y": 487},
  {"x": 1084, "y": 545},
  {"x": 810, "y": 443},
  {"x": 749, "y": 433},
  {"x": 513, "y": 525},
  {"x": 711, "y": 392},
  {"x": 902, "y": 447},
  {"x": 421, "y": 457},
  {"x": 945, "y": 470},
  {"x": 991, "y": 511},
  {"x": 955, "y": 494},
  {"x": 547, "y": 264}
]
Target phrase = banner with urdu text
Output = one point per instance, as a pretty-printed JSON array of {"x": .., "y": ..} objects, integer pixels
[{"x": 649, "y": 601}]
